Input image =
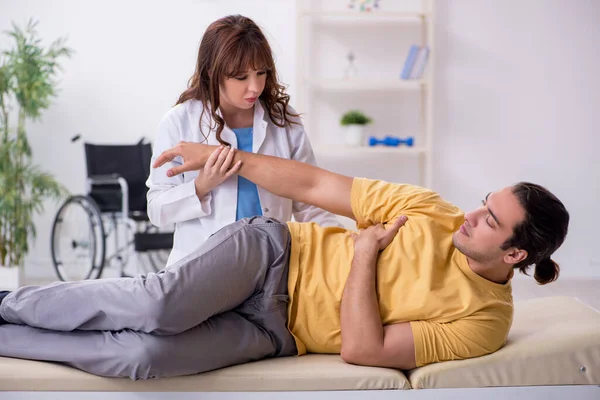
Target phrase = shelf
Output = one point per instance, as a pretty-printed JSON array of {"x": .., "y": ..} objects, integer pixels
[
  {"x": 353, "y": 85},
  {"x": 365, "y": 17},
  {"x": 342, "y": 150},
  {"x": 325, "y": 35}
]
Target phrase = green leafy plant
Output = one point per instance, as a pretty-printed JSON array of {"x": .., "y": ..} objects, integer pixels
[
  {"x": 355, "y": 117},
  {"x": 27, "y": 86}
]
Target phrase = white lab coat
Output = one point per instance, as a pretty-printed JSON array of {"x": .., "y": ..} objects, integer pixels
[{"x": 174, "y": 201}]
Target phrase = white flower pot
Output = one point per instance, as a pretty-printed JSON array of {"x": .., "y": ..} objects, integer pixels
[
  {"x": 11, "y": 278},
  {"x": 354, "y": 135}
]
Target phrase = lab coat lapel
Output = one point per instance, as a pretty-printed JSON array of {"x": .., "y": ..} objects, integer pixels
[
  {"x": 227, "y": 134},
  {"x": 259, "y": 130}
]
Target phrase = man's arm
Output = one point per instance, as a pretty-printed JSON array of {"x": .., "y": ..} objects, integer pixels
[
  {"x": 286, "y": 178},
  {"x": 365, "y": 341}
]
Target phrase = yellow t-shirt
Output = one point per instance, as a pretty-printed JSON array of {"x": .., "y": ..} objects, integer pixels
[{"x": 421, "y": 278}]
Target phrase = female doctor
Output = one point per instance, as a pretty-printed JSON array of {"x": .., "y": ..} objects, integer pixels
[{"x": 233, "y": 99}]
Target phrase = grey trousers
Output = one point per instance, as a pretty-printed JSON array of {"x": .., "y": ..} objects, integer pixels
[{"x": 224, "y": 304}]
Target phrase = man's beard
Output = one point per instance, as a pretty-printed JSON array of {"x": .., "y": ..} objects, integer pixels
[{"x": 470, "y": 253}]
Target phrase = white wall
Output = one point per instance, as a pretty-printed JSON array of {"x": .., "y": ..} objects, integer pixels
[
  {"x": 515, "y": 89},
  {"x": 517, "y": 99}
]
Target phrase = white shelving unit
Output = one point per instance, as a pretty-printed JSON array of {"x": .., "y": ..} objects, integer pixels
[
  {"x": 368, "y": 150},
  {"x": 326, "y": 31},
  {"x": 364, "y": 85},
  {"x": 363, "y": 17}
]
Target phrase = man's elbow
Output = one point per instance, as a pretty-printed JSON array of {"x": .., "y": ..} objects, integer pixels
[
  {"x": 376, "y": 358},
  {"x": 349, "y": 356},
  {"x": 358, "y": 355}
]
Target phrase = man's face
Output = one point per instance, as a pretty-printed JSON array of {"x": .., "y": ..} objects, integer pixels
[{"x": 489, "y": 226}]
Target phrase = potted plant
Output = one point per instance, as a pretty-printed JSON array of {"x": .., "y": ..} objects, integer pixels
[
  {"x": 353, "y": 122},
  {"x": 27, "y": 73}
]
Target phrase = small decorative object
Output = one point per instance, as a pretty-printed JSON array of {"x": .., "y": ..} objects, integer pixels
[
  {"x": 364, "y": 5},
  {"x": 391, "y": 141},
  {"x": 351, "y": 70},
  {"x": 353, "y": 122}
]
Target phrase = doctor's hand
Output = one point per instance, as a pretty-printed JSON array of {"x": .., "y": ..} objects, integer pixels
[
  {"x": 194, "y": 156},
  {"x": 217, "y": 169}
]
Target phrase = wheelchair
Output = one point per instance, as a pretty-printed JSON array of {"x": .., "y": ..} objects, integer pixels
[{"x": 104, "y": 227}]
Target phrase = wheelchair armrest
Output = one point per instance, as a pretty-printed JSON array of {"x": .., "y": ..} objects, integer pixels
[{"x": 110, "y": 179}]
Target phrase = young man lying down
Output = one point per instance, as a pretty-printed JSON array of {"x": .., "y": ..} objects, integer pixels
[{"x": 420, "y": 282}]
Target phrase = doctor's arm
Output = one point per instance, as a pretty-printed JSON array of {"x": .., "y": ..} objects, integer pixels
[
  {"x": 286, "y": 178},
  {"x": 176, "y": 199}
]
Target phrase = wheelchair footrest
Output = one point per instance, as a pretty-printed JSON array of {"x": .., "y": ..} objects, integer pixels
[{"x": 153, "y": 241}]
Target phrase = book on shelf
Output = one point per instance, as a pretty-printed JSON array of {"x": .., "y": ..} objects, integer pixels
[
  {"x": 410, "y": 61},
  {"x": 415, "y": 63}
]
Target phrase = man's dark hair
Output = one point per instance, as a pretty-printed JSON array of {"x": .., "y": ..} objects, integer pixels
[{"x": 542, "y": 231}]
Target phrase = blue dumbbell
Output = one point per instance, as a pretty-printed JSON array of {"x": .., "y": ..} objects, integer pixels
[{"x": 391, "y": 141}]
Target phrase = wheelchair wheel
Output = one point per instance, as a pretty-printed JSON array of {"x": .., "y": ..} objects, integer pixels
[{"x": 78, "y": 242}]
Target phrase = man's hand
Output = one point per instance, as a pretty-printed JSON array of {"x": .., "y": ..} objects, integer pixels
[
  {"x": 378, "y": 236},
  {"x": 194, "y": 156}
]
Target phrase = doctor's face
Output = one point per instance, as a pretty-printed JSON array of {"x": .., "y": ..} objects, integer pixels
[{"x": 242, "y": 90}]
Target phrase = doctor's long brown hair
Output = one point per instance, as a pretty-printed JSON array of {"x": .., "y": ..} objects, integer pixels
[{"x": 230, "y": 46}]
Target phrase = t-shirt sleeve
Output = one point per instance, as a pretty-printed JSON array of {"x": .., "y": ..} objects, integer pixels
[
  {"x": 375, "y": 201},
  {"x": 468, "y": 337}
]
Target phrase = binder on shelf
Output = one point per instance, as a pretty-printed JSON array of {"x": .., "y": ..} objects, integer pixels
[
  {"x": 415, "y": 63},
  {"x": 410, "y": 61},
  {"x": 420, "y": 62}
]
